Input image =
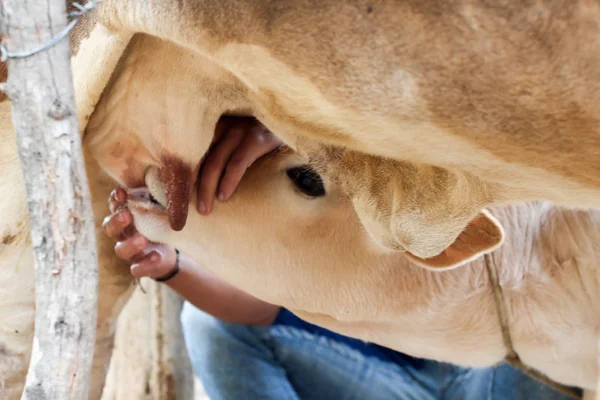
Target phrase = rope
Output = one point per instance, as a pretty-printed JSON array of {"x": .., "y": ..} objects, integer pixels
[{"x": 512, "y": 358}]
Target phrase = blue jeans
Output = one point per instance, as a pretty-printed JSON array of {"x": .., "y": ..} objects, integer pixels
[{"x": 284, "y": 362}]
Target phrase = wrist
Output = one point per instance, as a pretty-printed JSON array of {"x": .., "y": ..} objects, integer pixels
[{"x": 173, "y": 272}]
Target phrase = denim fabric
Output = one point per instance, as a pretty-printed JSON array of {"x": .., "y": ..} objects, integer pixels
[{"x": 288, "y": 361}]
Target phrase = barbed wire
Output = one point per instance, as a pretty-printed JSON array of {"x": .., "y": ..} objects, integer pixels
[{"x": 77, "y": 14}]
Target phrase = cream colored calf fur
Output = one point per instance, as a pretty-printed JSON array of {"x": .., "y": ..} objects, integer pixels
[
  {"x": 310, "y": 255},
  {"x": 473, "y": 102}
]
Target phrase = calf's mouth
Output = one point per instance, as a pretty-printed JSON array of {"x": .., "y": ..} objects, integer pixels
[
  {"x": 142, "y": 198},
  {"x": 151, "y": 197}
]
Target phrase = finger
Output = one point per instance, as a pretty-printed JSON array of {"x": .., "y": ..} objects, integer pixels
[
  {"x": 116, "y": 199},
  {"x": 213, "y": 167},
  {"x": 252, "y": 148},
  {"x": 115, "y": 224},
  {"x": 149, "y": 266},
  {"x": 128, "y": 232},
  {"x": 223, "y": 125},
  {"x": 132, "y": 249}
]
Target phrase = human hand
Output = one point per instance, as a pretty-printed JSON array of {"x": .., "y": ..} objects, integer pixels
[
  {"x": 238, "y": 142},
  {"x": 154, "y": 260}
]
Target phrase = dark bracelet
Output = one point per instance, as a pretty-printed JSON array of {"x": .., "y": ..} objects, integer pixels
[{"x": 172, "y": 273}]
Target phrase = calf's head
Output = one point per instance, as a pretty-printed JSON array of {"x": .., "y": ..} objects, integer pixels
[{"x": 286, "y": 214}]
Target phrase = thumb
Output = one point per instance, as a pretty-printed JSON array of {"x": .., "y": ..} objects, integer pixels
[
  {"x": 159, "y": 261},
  {"x": 147, "y": 266},
  {"x": 166, "y": 255}
]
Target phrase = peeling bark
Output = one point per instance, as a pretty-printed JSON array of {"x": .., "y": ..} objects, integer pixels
[{"x": 40, "y": 88}]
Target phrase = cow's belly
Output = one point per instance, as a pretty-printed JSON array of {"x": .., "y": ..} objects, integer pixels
[{"x": 566, "y": 356}]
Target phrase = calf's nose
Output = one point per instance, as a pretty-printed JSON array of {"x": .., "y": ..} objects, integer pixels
[{"x": 177, "y": 179}]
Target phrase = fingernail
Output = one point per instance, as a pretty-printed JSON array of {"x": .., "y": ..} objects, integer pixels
[
  {"x": 154, "y": 257},
  {"x": 121, "y": 217},
  {"x": 221, "y": 196},
  {"x": 202, "y": 207},
  {"x": 140, "y": 241}
]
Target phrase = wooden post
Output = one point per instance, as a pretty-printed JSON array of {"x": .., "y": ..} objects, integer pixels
[
  {"x": 150, "y": 360},
  {"x": 62, "y": 228}
]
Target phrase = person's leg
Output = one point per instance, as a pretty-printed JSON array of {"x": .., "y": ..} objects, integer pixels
[
  {"x": 320, "y": 367},
  {"x": 233, "y": 361},
  {"x": 281, "y": 362},
  {"x": 390, "y": 375}
]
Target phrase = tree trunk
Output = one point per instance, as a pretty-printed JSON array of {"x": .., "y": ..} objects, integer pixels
[{"x": 62, "y": 227}]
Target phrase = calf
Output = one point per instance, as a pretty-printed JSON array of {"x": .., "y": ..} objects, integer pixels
[
  {"x": 424, "y": 112},
  {"x": 292, "y": 238}
]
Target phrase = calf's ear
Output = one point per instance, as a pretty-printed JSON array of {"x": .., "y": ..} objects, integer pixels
[{"x": 482, "y": 235}]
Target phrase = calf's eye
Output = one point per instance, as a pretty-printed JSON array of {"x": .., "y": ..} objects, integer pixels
[{"x": 307, "y": 181}]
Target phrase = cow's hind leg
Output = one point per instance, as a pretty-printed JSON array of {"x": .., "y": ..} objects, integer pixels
[
  {"x": 115, "y": 281},
  {"x": 17, "y": 284}
]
